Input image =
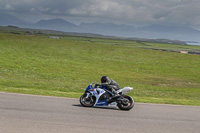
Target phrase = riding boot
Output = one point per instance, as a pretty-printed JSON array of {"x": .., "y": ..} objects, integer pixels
[{"x": 116, "y": 95}]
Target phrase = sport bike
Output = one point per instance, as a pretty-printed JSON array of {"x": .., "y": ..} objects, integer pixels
[{"x": 100, "y": 96}]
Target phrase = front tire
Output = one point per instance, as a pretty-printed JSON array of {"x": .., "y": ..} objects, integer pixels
[
  {"x": 127, "y": 104},
  {"x": 87, "y": 102}
]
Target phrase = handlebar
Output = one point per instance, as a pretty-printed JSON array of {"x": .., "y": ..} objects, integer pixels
[{"x": 92, "y": 83}]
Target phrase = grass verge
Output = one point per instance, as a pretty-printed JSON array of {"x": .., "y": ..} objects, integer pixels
[{"x": 64, "y": 67}]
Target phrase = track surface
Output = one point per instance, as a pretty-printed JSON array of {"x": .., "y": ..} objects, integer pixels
[{"x": 38, "y": 114}]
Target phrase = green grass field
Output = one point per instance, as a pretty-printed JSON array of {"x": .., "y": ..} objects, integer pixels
[{"x": 64, "y": 67}]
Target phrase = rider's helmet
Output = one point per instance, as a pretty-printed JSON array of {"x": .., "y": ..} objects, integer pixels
[{"x": 105, "y": 79}]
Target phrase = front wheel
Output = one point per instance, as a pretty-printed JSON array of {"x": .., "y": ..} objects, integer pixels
[
  {"x": 87, "y": 102},
  {"x": 127, "y": 103}
]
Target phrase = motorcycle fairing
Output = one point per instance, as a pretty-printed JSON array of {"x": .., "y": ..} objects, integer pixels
[{"x": 97, "y": 92}]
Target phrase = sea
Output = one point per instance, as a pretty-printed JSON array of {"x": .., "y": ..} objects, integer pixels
[{"x": 193, "y": 43}]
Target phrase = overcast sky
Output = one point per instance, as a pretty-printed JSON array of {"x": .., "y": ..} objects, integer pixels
[{"x": 132, "y": 12}]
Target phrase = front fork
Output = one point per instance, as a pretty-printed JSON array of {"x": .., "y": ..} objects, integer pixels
[{"x": 87, "y": 95}]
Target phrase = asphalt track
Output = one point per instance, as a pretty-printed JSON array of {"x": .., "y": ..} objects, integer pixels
[{"x": 39, "y": 114}]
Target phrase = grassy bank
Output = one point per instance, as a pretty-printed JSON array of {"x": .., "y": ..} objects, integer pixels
[{"x": 64, "y": 67}]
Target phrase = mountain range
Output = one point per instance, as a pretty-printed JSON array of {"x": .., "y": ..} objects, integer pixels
[{"x": 155, "y": 31}]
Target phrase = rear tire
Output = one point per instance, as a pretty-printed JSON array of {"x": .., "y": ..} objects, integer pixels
[
  {"x": 87, "y": 102},
  {"x": 128, "y": 104}
]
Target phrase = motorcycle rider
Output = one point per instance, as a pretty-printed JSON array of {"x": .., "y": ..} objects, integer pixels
[{"x": 110, "y": 85}]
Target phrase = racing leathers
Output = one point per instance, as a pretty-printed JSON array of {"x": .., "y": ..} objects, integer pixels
[{"x": 110, "y": 85}]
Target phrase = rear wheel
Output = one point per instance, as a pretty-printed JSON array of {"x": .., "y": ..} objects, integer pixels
[
  {"x": 127, "y": 103},
  {"x": 87, "y": 102}
]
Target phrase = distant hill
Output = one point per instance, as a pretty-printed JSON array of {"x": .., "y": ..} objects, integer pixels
[
  {"x": 171, "y": 32},
  {"x": 17, "y": 30},
  {"x": 150, "y": 31},
  {"x": 108, "y": 29},
  {"x": 7, "y": 19},
  {"x": 56, "y": 24},
  {"x": 174, "y": 29},
  {"x": 155, "y": 31},
  {"x": 106, "y": 26}
]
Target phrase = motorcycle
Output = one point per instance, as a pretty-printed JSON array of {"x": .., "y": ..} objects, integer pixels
[{"x": 100, "y": 96}]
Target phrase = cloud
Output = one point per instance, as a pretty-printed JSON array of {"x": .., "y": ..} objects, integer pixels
[
  {"x": 56, "y": 11},
  {"x": 9, "y": 7},
  {"x": 42, "y": 9},
  {"x": 174, "y": 11},
  {"x": 132, "y": 11},
  {"x": 102, "y": 8}
]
